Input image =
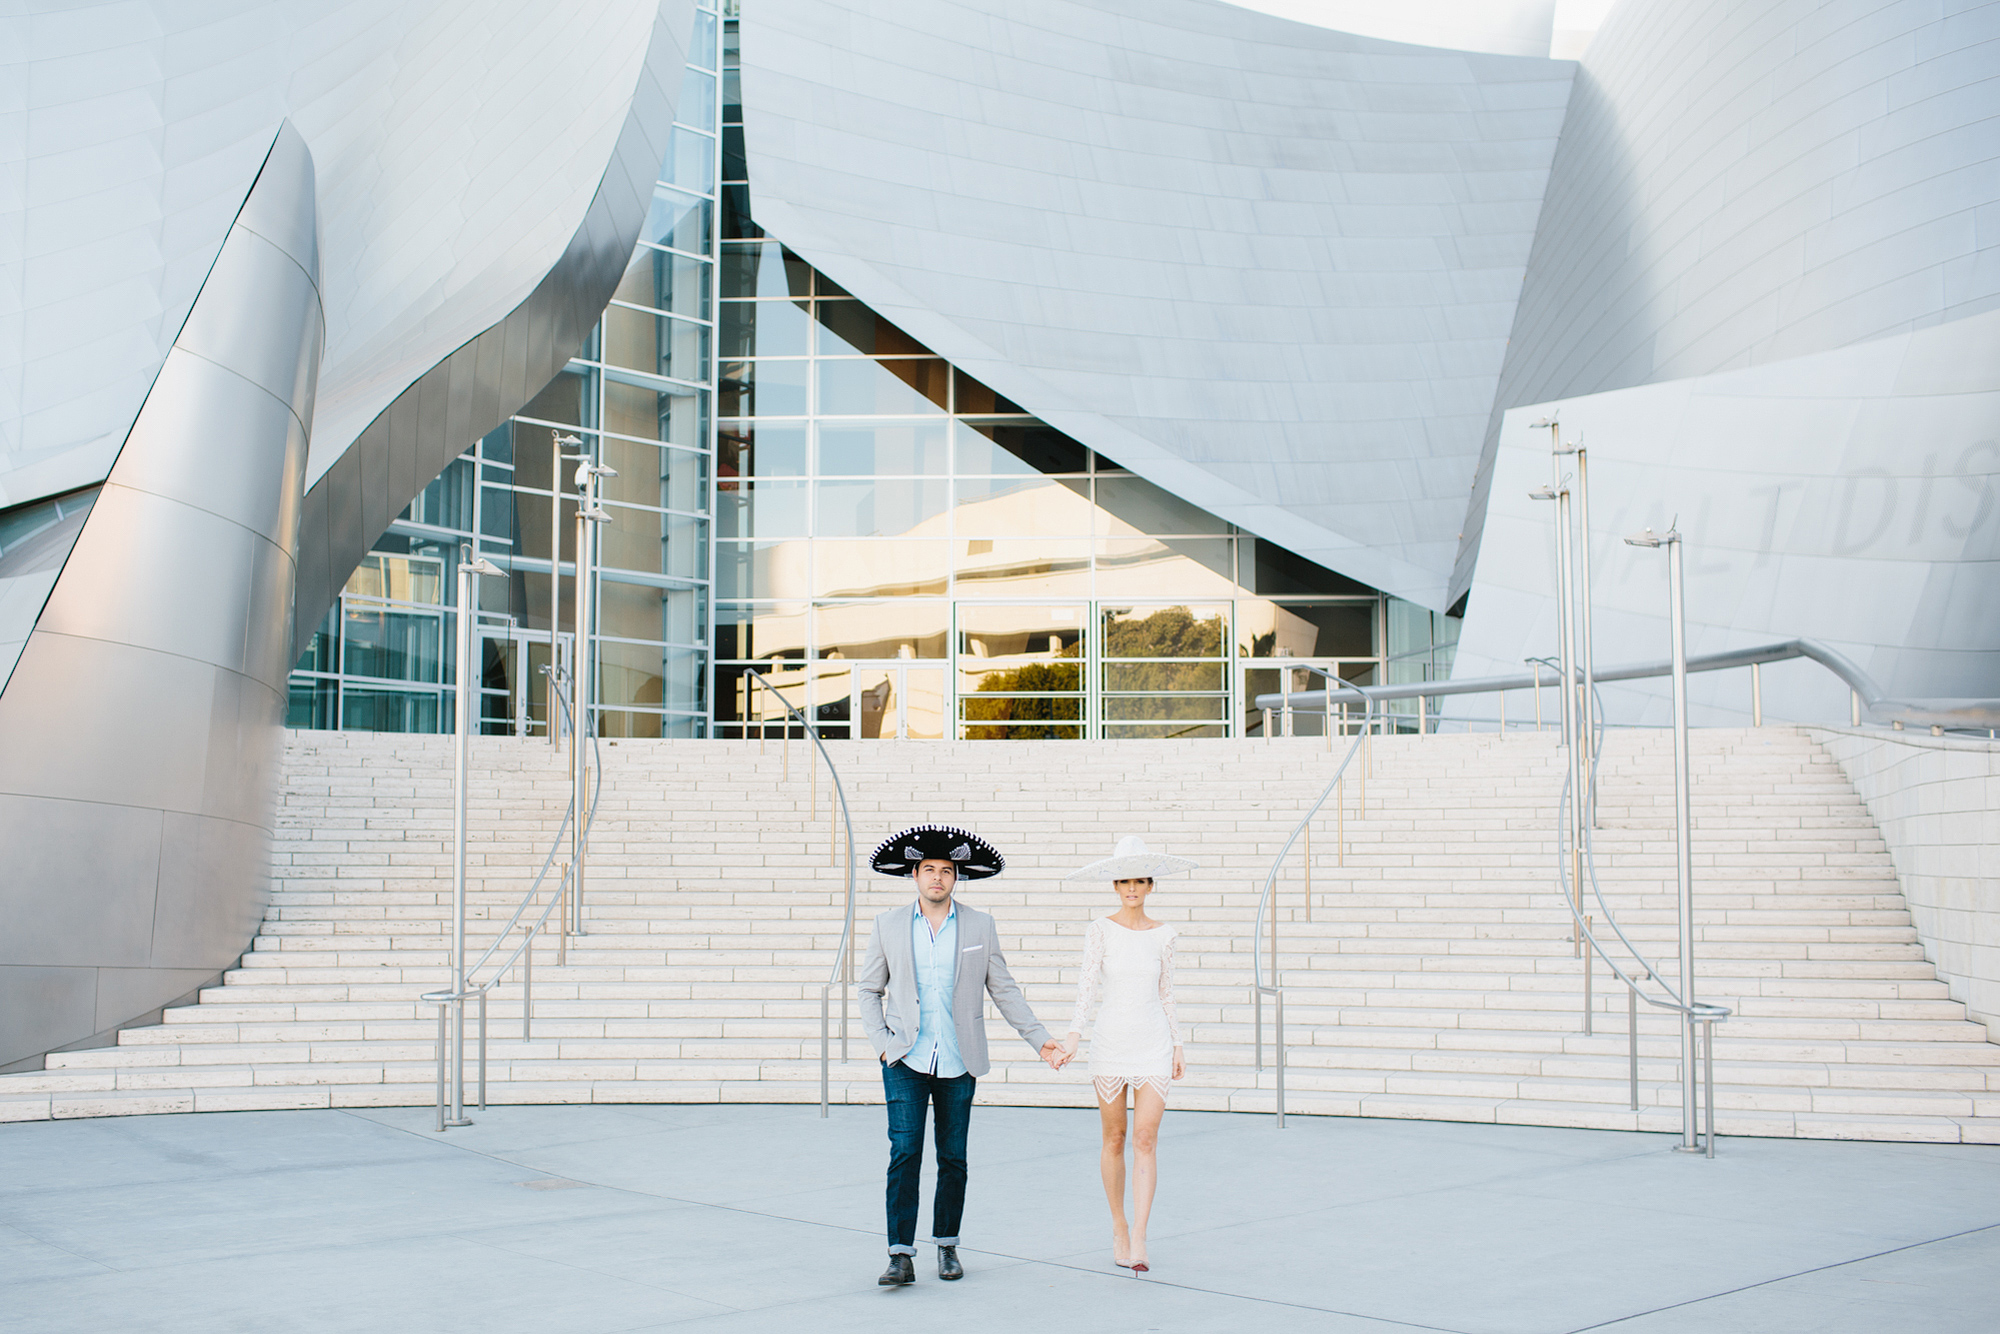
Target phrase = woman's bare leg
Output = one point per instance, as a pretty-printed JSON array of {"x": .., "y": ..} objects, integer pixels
[
  {"x": 1111, "y": 1163},
  {"x": 1149, "y": 1106}
]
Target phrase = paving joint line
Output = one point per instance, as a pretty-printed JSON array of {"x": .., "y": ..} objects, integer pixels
[
  {"x": 1782, "y": 1278},
  {"x": 837, "y": 1227}
]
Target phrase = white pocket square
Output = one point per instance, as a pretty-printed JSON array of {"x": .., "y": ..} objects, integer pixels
[{"x": 970, "y": 948}]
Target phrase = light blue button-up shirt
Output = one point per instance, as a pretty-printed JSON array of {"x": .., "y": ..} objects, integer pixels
[{"x": 936, "y": 953}]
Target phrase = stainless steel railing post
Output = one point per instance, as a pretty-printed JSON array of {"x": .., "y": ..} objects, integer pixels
[
  {"x": 482, "y": 1049},
  {"x": 1278, "y": 1016},
  {"x": 1708, "y": 1080},
  {"x": 1756, "y": 694},
  {"x": 1632, "y": 1039},
  {"x": 1588, "y": 956},
  {"x": 442, "y": 1043},
  {"x": 528, "y": 990}
]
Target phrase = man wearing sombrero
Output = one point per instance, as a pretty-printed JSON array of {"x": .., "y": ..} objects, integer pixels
[{"x": 930, "y": 965}]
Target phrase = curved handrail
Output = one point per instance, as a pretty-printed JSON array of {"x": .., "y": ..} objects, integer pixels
[
  {"x": 470, "y": 988},
  {"x": 1875, "y": 704},
  {"x": 1274, "y": 990},
  {"x": 842, "y": 960}
]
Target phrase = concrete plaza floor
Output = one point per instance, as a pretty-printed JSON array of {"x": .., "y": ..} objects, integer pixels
[{"x": 751, "y": 1218}]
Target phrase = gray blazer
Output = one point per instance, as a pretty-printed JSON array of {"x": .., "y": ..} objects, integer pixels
[{"x": 888, "y": 989}]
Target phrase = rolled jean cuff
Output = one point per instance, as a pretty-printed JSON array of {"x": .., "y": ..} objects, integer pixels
[
  {"x": 944, "y": 1241},
  {"x": 902, "y": 1250}
]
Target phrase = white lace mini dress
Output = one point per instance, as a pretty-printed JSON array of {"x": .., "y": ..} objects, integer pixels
[{"x": 1128, "y": 976}]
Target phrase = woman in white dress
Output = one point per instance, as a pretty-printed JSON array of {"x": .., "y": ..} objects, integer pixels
[{"x": 1128, "y": 974}]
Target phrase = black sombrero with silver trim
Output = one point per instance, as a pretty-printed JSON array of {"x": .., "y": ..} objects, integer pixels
[{"x": 975, "y": 858}]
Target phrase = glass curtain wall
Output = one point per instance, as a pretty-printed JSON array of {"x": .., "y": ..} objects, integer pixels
[{"x": 639, "y": 398}]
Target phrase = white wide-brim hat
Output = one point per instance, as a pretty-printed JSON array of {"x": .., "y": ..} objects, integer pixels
[{"x": 1131, "y": 860}]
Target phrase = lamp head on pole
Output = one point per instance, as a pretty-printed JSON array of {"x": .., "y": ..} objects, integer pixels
[
  {"x": 481, "y": 566},
  {"x": 1545, "y": 493},
  {"x": 1651, "y": 539},
  {"x": 596, "y": 514},
  {"x": 561, "y": 441}
]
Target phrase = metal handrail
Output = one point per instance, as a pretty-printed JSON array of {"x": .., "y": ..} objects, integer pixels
[
  {"x": 1277, "y": 993},
  {"x": 469, "y": 990},
  {"x": 1869, "y": 699},
  {"x": 1704, "y": 1013},
  {"x": 842, "y": 974}
]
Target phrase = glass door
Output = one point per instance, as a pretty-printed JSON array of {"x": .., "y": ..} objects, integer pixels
[
  {"x": 1286, "y": 677},
  {"x": 893, "y": 700},
  {"x": 513, "y": 688}
]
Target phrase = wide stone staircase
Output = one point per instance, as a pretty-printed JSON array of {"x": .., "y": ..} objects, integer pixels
[{"x": 1429, "y": 970}]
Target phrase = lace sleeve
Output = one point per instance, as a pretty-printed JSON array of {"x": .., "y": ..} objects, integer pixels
[
  {"x": 1092, "y": 977},
  {"x": 1167, "y": 985}
]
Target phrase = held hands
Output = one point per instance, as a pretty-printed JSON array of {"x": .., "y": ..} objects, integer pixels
[
  {"x": 1058, "y": 1054},
  {"x": 1180, "y": 1064}
]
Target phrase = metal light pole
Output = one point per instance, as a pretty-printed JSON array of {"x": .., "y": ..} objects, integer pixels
[
  {"x": 557, "y": 443},
  {"x": 1683, "y": 825},
  {"x": 466, "y": 720},
  {"x": 1587, "y": 702},
  {"x": 588, "y": 515},
  {"x": 1565, "y": 612}
]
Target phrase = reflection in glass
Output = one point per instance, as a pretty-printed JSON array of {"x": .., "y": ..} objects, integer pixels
[
  {"x": 761, "y": 509},
  {"x": 363, "y": 709},
  {"x": 763, "y": 329},
  {"x": 1164, "y": 632},
  {"x": 887, "y": 507},
  {"x": 567, "y": 399},
  {"x": 765, "y": 449},
  {"x": 628, "y": 610},
  {"x": 314, "y": 702},
  {"x": 629, "y": 723},
  {"x": 970, "y": 396},
  {"x": 761, "y": 569},
  {"x": 397, "y": 578},
  {"x": 872, "y": 449},
  {"x": 665, "y": 281},
  {"x": 653, "y": 411},
  {"x": 1165, "y": 675},
  {"x": 1022, "y": 506},
  {"x": 879, "y": 567},
  {"x": 1165, "y": 567},
  {"x": 678, "y": 220},
  {"x": 1272, "y": 569},
  {"x": 1135, "y": 505},
  {"x": 898, "y": 628},
  {"x": 888, "y": 388},
  {"x": 694, "y": 160},
  {"x": 760, "y": 630},
  {"x": 763, "y": 269},
  {"x": 639, "y": 340},
  {"x": 767, "y": 388},
  {"x": 1306, "y": 629},
  {"x": 1016, "y": 447},
  {"x": 631, "y": 674},
  {"x": 1163, "y": 708},
  {"x": 848, "y": 328},
  {"x": 1036, "y": 567}
]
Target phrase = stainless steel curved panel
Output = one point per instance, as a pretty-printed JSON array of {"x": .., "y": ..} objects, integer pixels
[
  {"x": 115, "y": 586},
  {"x": 51, "y": 843},
  {"x": 66, "y": 698},
  {"x": 493, "y": 375},
  {"x": 1739, "y": 185},
  {"x": 252, "y": 274},
  {"x": 1268, "y": 266},
  {"x": 171, "y": 449},
  {"x": 143, "y": 719}
]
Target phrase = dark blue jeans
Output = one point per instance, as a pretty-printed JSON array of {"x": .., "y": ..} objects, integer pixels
[{"x": 908, "y": 1091}]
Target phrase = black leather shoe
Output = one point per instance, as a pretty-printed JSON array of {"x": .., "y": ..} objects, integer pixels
[
  {"x": 901, "y": 1271},
  {"x": 948, "y": 1265}
]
